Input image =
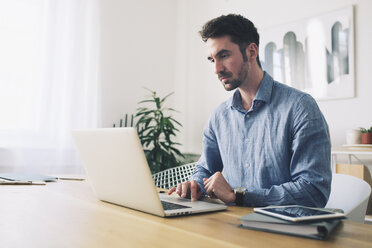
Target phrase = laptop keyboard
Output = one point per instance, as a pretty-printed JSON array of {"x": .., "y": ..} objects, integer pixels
[{"x": 172, "y": 206}]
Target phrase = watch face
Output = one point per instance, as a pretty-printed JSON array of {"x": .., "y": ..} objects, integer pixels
[{"x": 240, "y": 190}]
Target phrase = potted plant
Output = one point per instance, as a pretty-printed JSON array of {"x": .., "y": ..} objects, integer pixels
[
  {"x": 156, "y": 129},
  {"x": 366, "y": 135}
]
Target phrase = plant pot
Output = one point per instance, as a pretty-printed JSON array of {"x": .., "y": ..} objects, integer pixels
[{"x": 366, "y": 138}]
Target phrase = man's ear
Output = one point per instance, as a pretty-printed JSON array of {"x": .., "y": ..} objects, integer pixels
[{"x": 252, "y": 51}]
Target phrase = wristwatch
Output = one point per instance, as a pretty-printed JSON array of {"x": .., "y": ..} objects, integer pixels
[{"x": 239, "y": 195}]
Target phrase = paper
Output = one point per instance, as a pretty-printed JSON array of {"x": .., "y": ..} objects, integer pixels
[{"x": 27, "y": 177}]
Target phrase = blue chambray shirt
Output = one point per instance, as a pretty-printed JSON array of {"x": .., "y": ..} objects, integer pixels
[{"x": 279, "y": 149}]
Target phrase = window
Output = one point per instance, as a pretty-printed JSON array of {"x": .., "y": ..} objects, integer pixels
[{"x": 48, "y": 81}]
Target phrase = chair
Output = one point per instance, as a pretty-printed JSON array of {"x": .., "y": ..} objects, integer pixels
[
  {"x": 170, "y": 178},
  {"x": 351, "y": 194}
]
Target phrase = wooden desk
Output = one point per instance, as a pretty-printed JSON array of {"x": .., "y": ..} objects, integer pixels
[{"x": 67, "y": 214}]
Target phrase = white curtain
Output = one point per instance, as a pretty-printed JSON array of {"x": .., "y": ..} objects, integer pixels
[{"x": 48, "y": 82}]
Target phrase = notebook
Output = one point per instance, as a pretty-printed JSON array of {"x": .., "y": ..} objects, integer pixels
[
  {"x": 315, "y": 229},
  {"x": 117, "y": 169}
]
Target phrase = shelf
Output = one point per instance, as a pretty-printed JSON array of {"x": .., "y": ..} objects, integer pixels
[
  {"x": 355, "y": 151},
  {"x": 359, "y": 146}
]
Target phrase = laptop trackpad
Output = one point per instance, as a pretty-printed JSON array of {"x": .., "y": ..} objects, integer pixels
[{"x": 202, "y": 205}]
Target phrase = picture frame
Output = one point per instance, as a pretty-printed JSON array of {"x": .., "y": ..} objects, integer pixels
[{"x": 314, "y": 55}]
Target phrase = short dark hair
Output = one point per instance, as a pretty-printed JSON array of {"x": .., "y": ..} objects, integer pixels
[{"x": 241, "y": 30}]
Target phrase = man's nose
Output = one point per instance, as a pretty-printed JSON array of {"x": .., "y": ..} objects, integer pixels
[{"x": 218, "y": 67}]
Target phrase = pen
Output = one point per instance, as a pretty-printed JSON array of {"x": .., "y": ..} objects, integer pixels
[
  {"x": 21, "y": 183},
  {"x": 71, "y": 178}
]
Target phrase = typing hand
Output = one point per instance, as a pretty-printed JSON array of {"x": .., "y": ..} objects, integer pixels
[
  {"x": 187, "y": 189},
  {"x": 217, "y": 187}
]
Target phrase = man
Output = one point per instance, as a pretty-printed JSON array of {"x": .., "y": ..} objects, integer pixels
[{"x": 270, "y": 140}]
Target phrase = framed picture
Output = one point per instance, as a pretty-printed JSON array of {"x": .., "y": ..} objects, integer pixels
[{"x": 315, "y": 55}]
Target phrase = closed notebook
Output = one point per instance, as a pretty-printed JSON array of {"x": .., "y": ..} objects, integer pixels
[{"x": 309, "y": 229}]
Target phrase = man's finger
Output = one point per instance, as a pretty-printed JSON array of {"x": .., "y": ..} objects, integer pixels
[
  {"x": 171, "y": 190},
  {"x": 207, "y": 184},
  {"x": 206, "y": 180},
  {"x": 179, "y": 189},
  {"x": 194, "y": 190},
  {"x": 185, "y": 189}
]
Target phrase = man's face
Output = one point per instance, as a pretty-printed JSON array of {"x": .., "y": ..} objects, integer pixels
[{"x": 230, "y": 66}]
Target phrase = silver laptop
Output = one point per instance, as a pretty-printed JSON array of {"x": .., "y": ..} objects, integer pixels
[{"x": 117, "y": 169}]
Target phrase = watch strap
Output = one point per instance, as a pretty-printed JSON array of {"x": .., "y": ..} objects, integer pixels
[{"x": 239, "y": 196}]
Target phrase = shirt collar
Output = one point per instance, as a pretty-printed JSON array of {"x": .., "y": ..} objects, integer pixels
[{"x": 263, "y": 93}]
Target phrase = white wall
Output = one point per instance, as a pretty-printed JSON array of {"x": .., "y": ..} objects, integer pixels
[
  {"x": 137, "y": 50},
  {"x": 202, "y": 91},
  {"x": 155, "y": 44}
]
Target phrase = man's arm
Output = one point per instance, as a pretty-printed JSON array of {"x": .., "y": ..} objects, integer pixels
[
  {"x": 209, "y": 163},
  {"x": 309, "y": 167}
]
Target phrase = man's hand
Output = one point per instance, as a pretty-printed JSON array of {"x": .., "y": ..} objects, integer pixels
[
  {"x": 217, "y": 187},
  {"x": 187, "y": 189}
]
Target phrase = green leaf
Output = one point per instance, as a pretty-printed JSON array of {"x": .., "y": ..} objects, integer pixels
[
  {"x": 142, "y": 109},
  {"x": 143, "y": 101},
  {"x": 176, "y": 151},
  {"x": 175, "y": 121},
  {"x": 156, "y": 129},
  {"x": 157, "y": 102},
  {"x": 162, "y": 100}
]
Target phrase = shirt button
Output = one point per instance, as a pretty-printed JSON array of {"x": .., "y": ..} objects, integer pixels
[
  {"x": 247, "y": 116},
  {"x": 247, "y": 140}
]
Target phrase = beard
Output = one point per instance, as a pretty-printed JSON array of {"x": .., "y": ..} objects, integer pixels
[{"x": 232, "y": 84}]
